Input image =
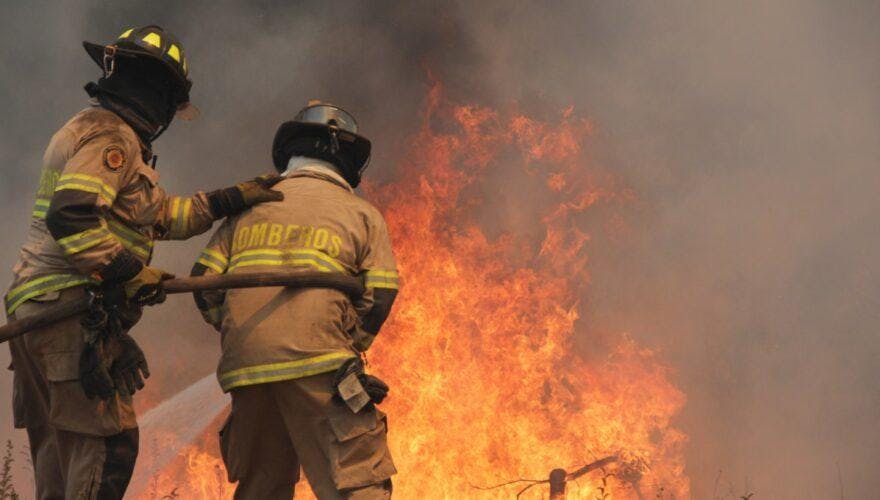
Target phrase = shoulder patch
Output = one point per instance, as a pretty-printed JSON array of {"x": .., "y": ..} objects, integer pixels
[{"x": 114, "y": 157}]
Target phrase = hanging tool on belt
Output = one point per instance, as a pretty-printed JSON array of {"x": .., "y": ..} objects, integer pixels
[{"x": 351, "y": 286}]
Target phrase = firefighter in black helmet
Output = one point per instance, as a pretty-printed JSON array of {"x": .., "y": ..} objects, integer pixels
[
  {"x": 326, "y": 132},
  {"x": 291, "y": 361},
  {"x": 97, "y": 212}
]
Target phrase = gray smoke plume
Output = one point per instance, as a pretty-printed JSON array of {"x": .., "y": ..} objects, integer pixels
[{"x": 748, "y": 131}]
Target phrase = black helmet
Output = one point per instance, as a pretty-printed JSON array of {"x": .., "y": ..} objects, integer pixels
[
  {"x": 327, "y": 132},
  {"x": 150, "y": 42}
]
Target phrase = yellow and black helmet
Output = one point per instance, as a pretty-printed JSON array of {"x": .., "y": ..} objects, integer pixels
[{"x": 151, "y": 42}]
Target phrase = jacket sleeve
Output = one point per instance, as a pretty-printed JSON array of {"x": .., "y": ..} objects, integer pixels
[
  {"x": 85, "y": 190},
  {"x": 381, "y": 278},
  {"x": 184, "y": 217},
  {"x": 214, "y": 260}
]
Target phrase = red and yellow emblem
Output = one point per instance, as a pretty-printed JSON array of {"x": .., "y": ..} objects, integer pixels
[{"x": 114, "y": 157}]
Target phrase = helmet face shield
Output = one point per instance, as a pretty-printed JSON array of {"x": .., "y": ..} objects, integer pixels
[{"x": 329, "y": 115}]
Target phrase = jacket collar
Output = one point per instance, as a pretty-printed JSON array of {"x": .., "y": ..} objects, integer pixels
[{"x": 301, "y": 166}]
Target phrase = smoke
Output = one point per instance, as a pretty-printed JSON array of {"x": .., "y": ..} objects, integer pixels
[{"x": 747, "y": 131}]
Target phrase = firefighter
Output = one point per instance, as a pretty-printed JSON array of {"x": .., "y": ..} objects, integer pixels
[
  {"x": 98, "y": 210},
  {"x": 291, "y": 357}
]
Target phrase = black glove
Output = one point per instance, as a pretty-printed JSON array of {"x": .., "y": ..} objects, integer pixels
[
  {"x": 129, "y": 368},
  {"x": 94, "y": 373},
  {"x": 377, "y": 389},
  {"x": 372, "y": 386}
]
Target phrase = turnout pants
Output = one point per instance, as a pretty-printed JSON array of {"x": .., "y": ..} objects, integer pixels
[
  {"x": 80, "y": 448},
  {"x": 276, "y": 427}
]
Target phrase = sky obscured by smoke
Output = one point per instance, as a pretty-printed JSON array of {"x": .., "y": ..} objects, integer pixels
[{"x": 748, "y": 131}]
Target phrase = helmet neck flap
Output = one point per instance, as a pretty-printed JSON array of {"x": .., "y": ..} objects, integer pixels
[{"x": 146, "y": 107}]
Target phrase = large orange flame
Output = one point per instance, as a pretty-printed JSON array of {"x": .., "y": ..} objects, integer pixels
[{"x": 487, "y": 386}]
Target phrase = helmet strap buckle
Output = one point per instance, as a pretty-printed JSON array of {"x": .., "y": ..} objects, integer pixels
[{"x": 109, "y": 60}]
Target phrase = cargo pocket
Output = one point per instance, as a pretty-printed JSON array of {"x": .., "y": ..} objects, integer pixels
[
  {"x": 62, "y": 366},
  {"x": 359, "y": 454},
  {"x": 71, "y": 410}
]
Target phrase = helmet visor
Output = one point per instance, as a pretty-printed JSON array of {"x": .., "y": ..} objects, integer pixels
[{"x": 327, "y": 114}]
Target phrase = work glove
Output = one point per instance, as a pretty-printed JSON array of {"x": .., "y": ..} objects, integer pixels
[
  {"x": 129, "y": 367},
  {"x": 259, "y": 190},
  {"x": 236, "y": 199},
  {"x": 357, "y": 389},
  {"x": 145, "y": 288},
  {"x": 94, "y": 370}
]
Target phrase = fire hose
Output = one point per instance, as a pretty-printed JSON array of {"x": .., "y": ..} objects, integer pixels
[{"x": 349, "y": 285}]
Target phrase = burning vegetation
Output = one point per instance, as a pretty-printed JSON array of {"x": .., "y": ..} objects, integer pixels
[{"x": 489, "y": 393}]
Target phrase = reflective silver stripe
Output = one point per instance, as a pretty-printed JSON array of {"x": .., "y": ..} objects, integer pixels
[
  {"x": 41, "y": 207},
  {"x": 134, "y": 241},
  {"x": 38, "y": 286},
  {"x": 275, "y": 372},
  {"x": 87, "y": 183},
  {"x": 213, "y": 260},
  {"x": 382, "y": 279}
]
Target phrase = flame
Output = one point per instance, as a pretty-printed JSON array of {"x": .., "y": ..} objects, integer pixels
[{"x": 487, "y": 384}]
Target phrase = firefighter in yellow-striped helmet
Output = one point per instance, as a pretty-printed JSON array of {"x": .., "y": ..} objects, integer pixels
[
  {"x": 98, "y": 210},
  {"x": 148, "y": 66}
]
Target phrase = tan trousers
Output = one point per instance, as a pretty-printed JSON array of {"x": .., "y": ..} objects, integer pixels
[
  {"x": 276, "y": 427},
  {"x": 80, "y": 448}
]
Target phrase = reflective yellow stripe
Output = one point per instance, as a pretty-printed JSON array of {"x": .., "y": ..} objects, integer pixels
[
  {"x": 36, "y": 287},
  {"x": 217, "y": 255},
  {"x": 181, "y": 217},
  {"x": 294, "y": 257},
  {"x": 213, "y": 260},
  {"x": 180, "y": 212},
  {"x": 275, "y": 372},
  {"x": 211, "y": 265},
  {"x": 79, "y": 242},
  {"x": 382, "y": 279},
  {"x": 132, "y": 240},
  {"x": 175, "y": 206},
  {"x": 87, "y": 183},
  {"x": 41, "y": 207},
  {"x": 121, "y": 228}
]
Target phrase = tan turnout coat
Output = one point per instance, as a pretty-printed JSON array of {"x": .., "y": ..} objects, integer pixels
[{"x": 275, "y": 334}]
